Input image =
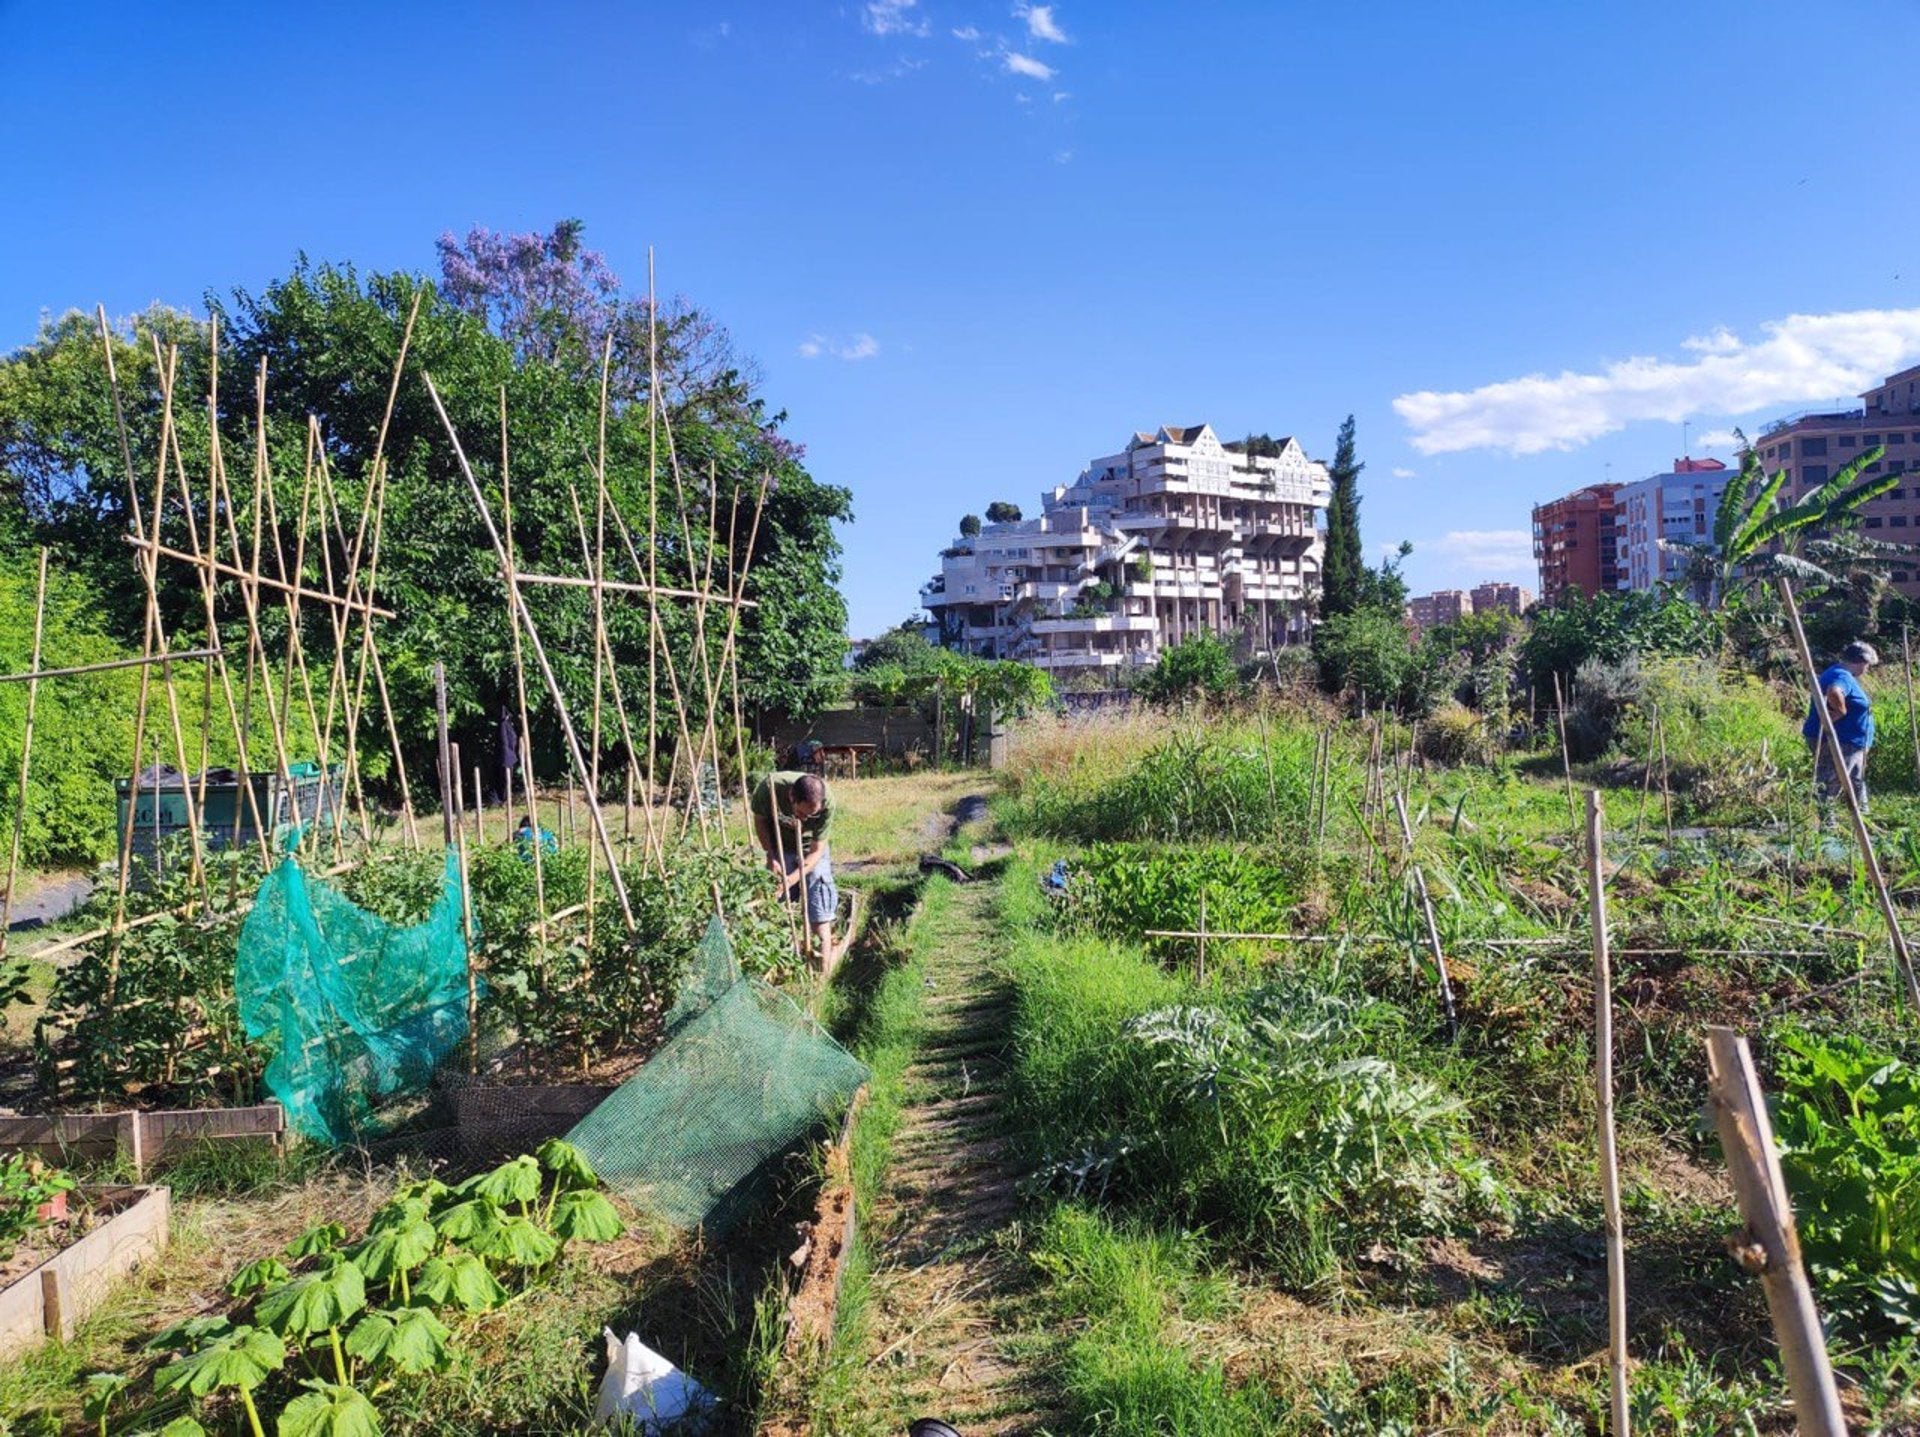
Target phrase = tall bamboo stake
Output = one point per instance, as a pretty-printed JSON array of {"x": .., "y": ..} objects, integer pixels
[
  {"x": 1566, "y": 757},
  {"x": 1433, "y": 925},
  {"x": 26, "y": 756},
  {"x": 1902, "y": 956},
  {"x": 1603, "y": 1095},
  {"x": 1913, "y": 715},
  {"x": 540, "y": 656},
  {"x": 520, "y": 688}
]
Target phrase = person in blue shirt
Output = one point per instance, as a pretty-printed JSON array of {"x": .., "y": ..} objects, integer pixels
[{"x": 1852, "y": 712}]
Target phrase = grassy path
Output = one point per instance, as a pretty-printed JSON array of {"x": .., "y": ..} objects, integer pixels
[{"x": 951, "y": 1330}]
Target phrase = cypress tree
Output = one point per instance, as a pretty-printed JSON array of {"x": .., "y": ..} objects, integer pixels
[{"x": 1343, "y": 570}]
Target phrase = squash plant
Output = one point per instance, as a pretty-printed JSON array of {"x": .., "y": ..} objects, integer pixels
[{"x": 324, "y": 1328}]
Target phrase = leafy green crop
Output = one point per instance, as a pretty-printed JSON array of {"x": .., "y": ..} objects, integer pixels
[
  {"x": 1848, "y": 1122},
  {"x": 325, "y": 1338}
]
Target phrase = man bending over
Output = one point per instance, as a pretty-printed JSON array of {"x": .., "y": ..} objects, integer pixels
[{"x": 790, "y": 820}]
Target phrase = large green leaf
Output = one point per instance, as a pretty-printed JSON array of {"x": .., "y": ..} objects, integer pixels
[
  {"x": 517, "y": 1181},
  {"x": 520, "y": 1242},
  {"x": 329, "y": 1410},
  {"x": 586, "y": 1217},
  {"x": 399, "y": 1211},
  {"x": 474, "y": 1286},
  {"x": 255, "y": 1275},
  {"x": 567, "y": 1163},
  {"x": 242, "y": 1359},
  {"x": 317, "y": 1240},
  {"x": 189, "y": 1332},
  {"x": 468, "y": 1221},
  {"x": 314, "y": 1303},
  {"x": 183, "y": 1427},
  {"x": 395, "y": 1249},
  {"x": 408, "y": 1339}
]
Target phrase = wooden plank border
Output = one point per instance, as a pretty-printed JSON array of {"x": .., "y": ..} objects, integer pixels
[
  {"x": 143, "y": 1138},
  {"x": 53, "y": 1298}
]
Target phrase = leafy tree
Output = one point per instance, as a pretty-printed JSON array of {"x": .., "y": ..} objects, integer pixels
[
  {"x": 1342, "y": 571},
  {"x": 904, "y": 646},
  {"x": 1758, "y": 536},
  {"x": 1001, "y": 512},
  {"x": 969, "y": 526},
  {"x": 1610, "y": 627},
  {"x": 1367, "y": 652},
  {"x": 1199, "y": 666}
]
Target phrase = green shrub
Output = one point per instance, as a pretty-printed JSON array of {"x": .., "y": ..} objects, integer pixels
[
  {"x": 1454, "y": 734},
  {"x": 1368, "y": 653},
  {"x": 1198, "y": 667},
  {"x": 1729, "y": 742}
]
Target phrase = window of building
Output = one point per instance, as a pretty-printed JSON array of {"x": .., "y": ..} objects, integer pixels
[
  {"x": 1813, "y": 447},
  {"x": 1900, "y": 576},
  {"x": 1846, "y": 441},
  {"x": 1813, "y": 473},
  {"x": 1898, "y": 521},
  {"x": 1896, "y": 439},
  {"x": 1871, "y": 469},
  {"x": 1875, "y": 522},
  {"x": 1869, "y": 440}
]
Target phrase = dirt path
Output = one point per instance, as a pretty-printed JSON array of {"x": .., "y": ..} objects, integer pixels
[
  {"x": 950, "y": 1330},
  {"x": 49, "y": 900}
]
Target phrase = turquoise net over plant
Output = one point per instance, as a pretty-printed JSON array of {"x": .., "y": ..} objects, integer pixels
[
  {"x": 356, "y": 1010},
  {"x": 743, "y": 1075}
]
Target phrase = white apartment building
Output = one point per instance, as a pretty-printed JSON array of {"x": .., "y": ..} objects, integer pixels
[
  {"x": 1677, "y": 508},
  {"x": 1174, "y": 535}
]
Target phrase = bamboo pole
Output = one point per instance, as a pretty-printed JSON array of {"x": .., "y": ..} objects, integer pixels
[
  {"x": 177, "y": 656},
  {"x": 1770, "y": 1246},
  {"x": 26, "y": 757},
  {"x": 540, "y": 657},
  {"x": 1566, "y": 756},
  {"x": 233, "y": 571},
  {"x": 1609, "y": 1142},
  {"x": 1201, "y": 939},
  {"x": 520, "y": 683},
  {"x": 446, "y": 753},
  {"x": 479, "y": 836},
  {"x": 1913, "y": 714},
  {"x": 1433, "y": 926},
  {"x": 1902, "y": 956}
]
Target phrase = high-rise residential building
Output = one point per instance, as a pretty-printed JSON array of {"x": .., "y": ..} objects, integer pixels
[
  {"x": 1442, "y": 606},
  {"x": 1813, "y": 446},
  {"x": 1175, "y": 535},
  {"x": 1513, "y": 599},
  {"x": 1574, "y": 543},
  {"x": 1663, "y": 510}
]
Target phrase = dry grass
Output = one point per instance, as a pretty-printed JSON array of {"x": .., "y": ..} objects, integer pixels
[{"x": 886, "y": 820}]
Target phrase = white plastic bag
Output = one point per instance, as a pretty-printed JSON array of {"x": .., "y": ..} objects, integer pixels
[{"x": 643, "y": 1385}]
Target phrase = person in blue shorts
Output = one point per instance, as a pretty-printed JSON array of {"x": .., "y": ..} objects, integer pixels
[
  {"x": 1851, "y": 709},
  {"x": 791, "y": 816}
]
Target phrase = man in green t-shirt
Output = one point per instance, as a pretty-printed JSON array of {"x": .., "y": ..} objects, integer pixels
[{"x": 791, "y": 815}]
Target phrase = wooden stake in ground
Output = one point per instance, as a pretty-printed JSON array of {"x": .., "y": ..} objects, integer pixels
[
  {"x": 1433, "y": 926},
  {"x": 554, "y": 690},
  {"x": 1566, "y": 756},
  {"x": 1770, "y": 1246},
  {"x": 1913, "y": 717},
  {"x": 446, "y": 754},
  {"x": 1603, "y": 1094},
  {"x": 1902, "y": 956}
]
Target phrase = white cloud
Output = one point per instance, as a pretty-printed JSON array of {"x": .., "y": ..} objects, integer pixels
[
  {"x": 967, "y": 33},
  {"x": 854, "y": 347},
  {"x": 1482, "y": 551},
  {"x": 1018, "y": 64},
  {"x": 1405, "y": 474},
  {"x": 893, "y": 17},
  {"x": 1718, "y": 439},
  {"x": 1063, "y": 157},
  {"x": 1802, "y": 359},
  {"x": 1060, "y": 97},
  {"x": 1040, "y": 23},
  {"x": 899, "y": 69}
]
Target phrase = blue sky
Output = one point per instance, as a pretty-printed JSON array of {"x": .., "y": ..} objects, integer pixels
[{"x": 972, "y": 245}]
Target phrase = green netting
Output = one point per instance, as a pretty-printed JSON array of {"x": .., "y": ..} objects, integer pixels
[
  {"x": 743, "y": 1075},
  {"x": 357, "y": 1009}
]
